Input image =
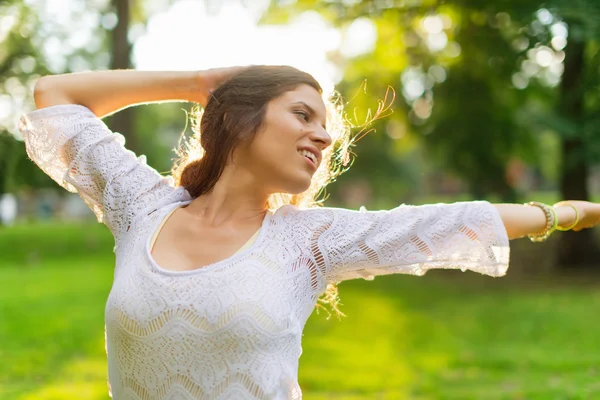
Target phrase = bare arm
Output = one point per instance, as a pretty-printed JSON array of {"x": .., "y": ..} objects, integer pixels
[
  {"x": 106, "y": 92},
  {"x": 521, "y": 220}
]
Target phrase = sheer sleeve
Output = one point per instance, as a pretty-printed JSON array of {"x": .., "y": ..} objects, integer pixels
[
  {"x": 78, "y": 151},
  {"x": 347, "y": 244}
]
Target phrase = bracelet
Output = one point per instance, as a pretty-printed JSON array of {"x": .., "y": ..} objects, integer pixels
[
  {"x": 551, "y": 222},
  {"x": 576, "y": 218}
]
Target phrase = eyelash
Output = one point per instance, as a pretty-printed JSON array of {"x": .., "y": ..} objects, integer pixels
[{"x": 304, "y": 114}]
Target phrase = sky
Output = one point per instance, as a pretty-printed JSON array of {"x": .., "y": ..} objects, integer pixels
[{"x": 185, "y": 37}]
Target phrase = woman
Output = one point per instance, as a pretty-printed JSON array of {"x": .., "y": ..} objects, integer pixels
[{"x": 219, "y": 266}]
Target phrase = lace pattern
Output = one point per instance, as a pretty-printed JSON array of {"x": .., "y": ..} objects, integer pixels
[
  {"x": 233, "y": 329},
  {"x": 78, "y": 151},
  {"x": 349, "y": 244}
]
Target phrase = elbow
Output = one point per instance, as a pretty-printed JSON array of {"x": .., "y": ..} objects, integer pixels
[
  {"x": 40, "y": 92},
  {"x": 46, "y": 94}
]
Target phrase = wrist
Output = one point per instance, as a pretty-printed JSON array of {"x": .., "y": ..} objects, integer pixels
[
  {"x": 566, "y": 215},
  {"x": 550, "y": 225}
]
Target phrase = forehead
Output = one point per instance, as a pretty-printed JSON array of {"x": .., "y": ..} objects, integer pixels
[{"x": 307, "y": 94}]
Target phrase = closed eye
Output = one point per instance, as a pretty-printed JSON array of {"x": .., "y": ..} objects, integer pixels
[
  {"x": 306, "y": 112},
  {"x": 302, "y": 114}
]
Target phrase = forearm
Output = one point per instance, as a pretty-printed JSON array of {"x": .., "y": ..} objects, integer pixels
[
  {"x": 521, "y": 220},
  {"x": 105, "y": 92}
]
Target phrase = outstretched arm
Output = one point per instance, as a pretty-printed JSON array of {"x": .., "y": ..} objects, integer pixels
[
  {"x": 521, "y": 220},
  {"x": 346, "y": 244},
  {"x": 105, "y": 92}
]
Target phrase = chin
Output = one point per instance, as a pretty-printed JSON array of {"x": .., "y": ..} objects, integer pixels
[
  {"x": 297, "y": 186},
  {"x": 298, "y": 190}
]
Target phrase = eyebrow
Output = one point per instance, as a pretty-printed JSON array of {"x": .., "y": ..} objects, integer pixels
[{"x": 310, "y": 110}]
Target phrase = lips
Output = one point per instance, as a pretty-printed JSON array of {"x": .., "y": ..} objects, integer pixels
[
  {"x": 310, "y": 162},
  {"x": 311, "y": 154}
]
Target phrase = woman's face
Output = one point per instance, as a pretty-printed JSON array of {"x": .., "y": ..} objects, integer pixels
[{"x": 287, "y": 150}]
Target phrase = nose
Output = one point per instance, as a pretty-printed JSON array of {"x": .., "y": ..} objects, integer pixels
[{"x": 321, "y": 136}]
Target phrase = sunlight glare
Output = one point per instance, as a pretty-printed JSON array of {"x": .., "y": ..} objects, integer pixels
[
  {"x": 433, "y": 24},
  {"x": 560, "y": 29},
  {"x": 186, "y": 37},
  {"x": 437, "y": 41},
  {"x": 558, "y": 43},
  {"x": 544, "y": 56},
  {"x": 520, "y": 80},
  {"x": 544, "y": 16},
  {"x": 359, "y": 38}
]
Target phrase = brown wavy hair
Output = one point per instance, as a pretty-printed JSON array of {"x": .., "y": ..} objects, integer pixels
[{"x": 234, "y": 113}]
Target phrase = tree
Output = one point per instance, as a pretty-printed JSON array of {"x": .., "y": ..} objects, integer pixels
[
  {"x": 25, "y": 56},
  {"x": 493, "y": 99},
  {"x": 20, "y": 64},
  {"x": 122, "y": 121},
  {"x": 428, "y": 53},
  {"x": 575, "y": 119},
  {"x": 579, "y": 150}
]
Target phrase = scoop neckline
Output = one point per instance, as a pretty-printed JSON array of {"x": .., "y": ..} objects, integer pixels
[{"x": 208, "y": 267}]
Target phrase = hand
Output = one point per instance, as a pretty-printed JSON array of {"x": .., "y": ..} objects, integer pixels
[
  {"x": 589, "y": 213},
  {"x": 210, "y": 79}
]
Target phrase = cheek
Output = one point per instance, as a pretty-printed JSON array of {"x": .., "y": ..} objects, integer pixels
[
  {"x": 275, "y": 145},
  {"x": 267, "y": 151}
]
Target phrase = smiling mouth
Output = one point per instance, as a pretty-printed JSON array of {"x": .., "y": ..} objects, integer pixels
[
  {"x": 309, "y": 156},
  {"x": 312, "y": 164}
]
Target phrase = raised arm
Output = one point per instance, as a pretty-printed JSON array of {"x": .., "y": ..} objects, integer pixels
[
  {"x": 105, "y": 92},
  {"x": 68, "y": 141}
]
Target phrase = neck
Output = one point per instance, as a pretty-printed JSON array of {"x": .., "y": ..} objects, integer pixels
[{"x": 233, "y": 199}]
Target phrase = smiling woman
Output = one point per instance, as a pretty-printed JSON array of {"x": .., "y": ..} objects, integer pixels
[
  {"x": 283, "y": 114},
  {"x": 219, "y": 266}
]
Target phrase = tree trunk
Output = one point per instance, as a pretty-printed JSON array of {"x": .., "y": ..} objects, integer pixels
[
  {"x": 122, "y": 121},
  {"x": 575, "y": 249}
]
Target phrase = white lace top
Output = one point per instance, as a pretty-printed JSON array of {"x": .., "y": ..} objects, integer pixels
[{"x": 233, "y": 329}]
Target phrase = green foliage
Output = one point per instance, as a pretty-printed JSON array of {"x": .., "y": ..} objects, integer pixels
[
  {"x": 470, "y": 119},
  {"x": 24, "y": 57},
  {"x": 472, "y": 128},
  {"x": 23, "y": 60},
  {"x": 159, "y": 127}
]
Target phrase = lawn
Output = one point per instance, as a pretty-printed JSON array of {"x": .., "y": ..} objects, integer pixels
[{"x": 448, "y": 335}]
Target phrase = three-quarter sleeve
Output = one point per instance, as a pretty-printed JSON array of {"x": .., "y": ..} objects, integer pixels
[
  {"x": 348, "y": 244},
  {"x": 78, "y": 151}
]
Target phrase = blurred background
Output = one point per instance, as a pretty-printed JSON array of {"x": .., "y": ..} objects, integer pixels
[{"x": 494, "y": 100}]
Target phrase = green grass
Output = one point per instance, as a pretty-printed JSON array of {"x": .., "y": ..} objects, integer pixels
[
  {"x": 55, "y": 279},
  {"x": 439, "y": 338},
  {"x": 448, "y": 335}
]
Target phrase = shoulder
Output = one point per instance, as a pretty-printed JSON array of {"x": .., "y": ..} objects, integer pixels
[
  {"x": 164, "y": 196},
  {"x": 291, "y": 212},
  {"x": 311, "y": 217}
]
